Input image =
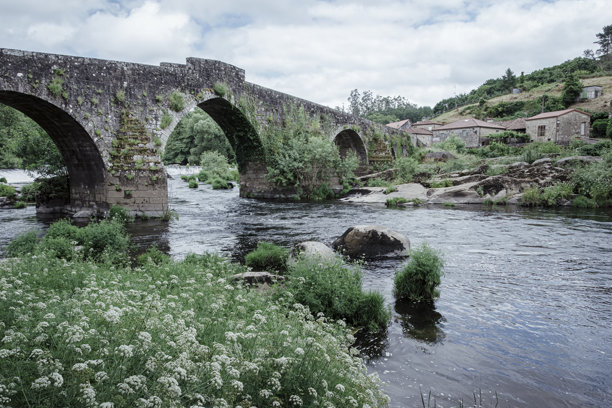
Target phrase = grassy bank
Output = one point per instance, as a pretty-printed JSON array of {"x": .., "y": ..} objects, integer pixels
[{"x": 80, "y": 333}]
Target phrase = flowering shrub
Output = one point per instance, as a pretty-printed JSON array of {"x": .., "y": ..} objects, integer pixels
[{"x": 179, "y": 334}]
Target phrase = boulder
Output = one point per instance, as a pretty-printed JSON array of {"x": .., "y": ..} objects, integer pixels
[
  {"x": 372, "y": 241},
  {"x": 312, "y": 249},
  {"x": 572, "y": 160},
  {"x": 539, "y": 162},
  {"x": 84, "y": 214}
]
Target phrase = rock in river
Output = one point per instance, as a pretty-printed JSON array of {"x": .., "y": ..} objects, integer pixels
[{"x": 372, "y": 241}]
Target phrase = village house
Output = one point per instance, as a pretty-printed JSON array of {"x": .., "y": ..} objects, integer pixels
[
  {"x": 591, "y": 92},
  {"x": 558, "y": 126},
  {"x": 422, "y": 136},
  {"x": 471, "y": 131},
  {"x": 517, "y": 125},
  {"x": 427, "y": 124}
]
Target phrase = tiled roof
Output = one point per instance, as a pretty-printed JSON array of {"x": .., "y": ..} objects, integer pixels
[
  {"x": 514, "y": 124},
  {"x": 425, "y": 123},
  {"x": 419, "y": 131},
  {"x": 555, "y": 114},
  {"x": 397, "y": 125},
  {"x": 469, "y": 123}
]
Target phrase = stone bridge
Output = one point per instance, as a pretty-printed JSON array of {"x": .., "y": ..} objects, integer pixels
[{"x": 111, "y": 120}]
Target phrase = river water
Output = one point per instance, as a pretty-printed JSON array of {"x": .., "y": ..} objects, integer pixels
[{"x": 525, "y": 310}]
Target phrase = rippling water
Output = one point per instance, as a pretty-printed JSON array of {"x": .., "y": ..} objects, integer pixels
[{"x": 526, "y": 301}]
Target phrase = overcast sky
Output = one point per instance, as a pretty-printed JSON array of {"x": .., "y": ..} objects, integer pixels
[{"x": 320, "y": 50}]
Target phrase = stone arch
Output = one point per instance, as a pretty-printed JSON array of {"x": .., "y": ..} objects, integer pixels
[
  {"x": 238, "y": 129},
  {"x": 81, "y": 156},
  {"x": 347, "y": 140}
]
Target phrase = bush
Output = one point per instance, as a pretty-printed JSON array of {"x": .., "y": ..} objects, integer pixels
[
  {"x": 268, "y": 257},
  {"x": 419, "y": 279},
  {"x": 453, "y": 143},
  {"x": 59, "y": 247},
  {"x": 335, "y": 290},
  {"x": 553, "y": 195},
  {"x": 104, "y": 241},
  {"x": 29, "y": 191},
  {"x": 154, "y": 256},
  {"x": 595, "y": 180},
  {"x": 3, "y": 180},
  {"x": 583, "y": 202},
  {"x": 406, "y": 168},
  {"x": 193, "y": 184},
  {"x": 120, "y": 214},
  {"x": 8, "y": 191},
  {"x": 597, "y": 149},
  {"x": 23, "y": 244},
  {"x": 218, "y": 183},
  {"x": 539, "y": 150},
  {"x": 599, "y": 128},
  {"x": 20, "y": 204},
  {"x": 62, "y": 229},
  {"x": 177, "y": 103},
  {"x": 531, "y": 197}
]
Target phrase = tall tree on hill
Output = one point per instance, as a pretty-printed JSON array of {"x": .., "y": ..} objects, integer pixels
[
  {"x": 509, "y": 80},
  {"x": 571, "y": 90},
  {"x": 604, "y": 40}
]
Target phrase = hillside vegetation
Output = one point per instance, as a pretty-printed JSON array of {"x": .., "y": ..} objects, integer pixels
[{"x": 600, "y": 104}]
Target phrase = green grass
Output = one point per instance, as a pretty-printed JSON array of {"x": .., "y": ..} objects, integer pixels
[{"x": 395, "y": 202}]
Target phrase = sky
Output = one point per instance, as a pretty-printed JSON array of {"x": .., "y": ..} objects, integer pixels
[{"x": 320, "y": 50}]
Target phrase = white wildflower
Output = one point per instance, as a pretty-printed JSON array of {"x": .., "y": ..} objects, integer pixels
[
  {"x": 312, "y": 392},
  {"x": 80, "y": 367},
  {"x": 340, "y": 387},
  {"x": 125, "y": 350},
  {"x": 125, "y": 389},
  {"x": 265, "y": 393},
  {"x": 295, "y": 400},
  {"x": 107, "y": 405},
  {"x": 231, "y": 336},
  {"x": 113, "y": 314},
  {"x": 171, "y": 386},
  {"x": 237, "y": 385},
  {"x": 101, "y": 376},
  {"x": 57, "y": 378},
  {"x": 41, "y": 383},
  {"x": 88, "y": 395},
  {"x": 299, "y": 351}
]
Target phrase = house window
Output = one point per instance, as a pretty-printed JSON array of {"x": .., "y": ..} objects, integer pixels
[
  {"x": 541, "y": 130},
  {"x": 582, "y": 128},
  {"x": 464, "y": 133}
]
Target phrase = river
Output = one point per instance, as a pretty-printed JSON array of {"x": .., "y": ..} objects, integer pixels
[{"x": 525, "y": 310}]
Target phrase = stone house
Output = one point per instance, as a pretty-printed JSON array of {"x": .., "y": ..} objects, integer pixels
[
  {"x": 471, "y": 131},
  {"x": 558, "y": 126},
  {"x": 426, "y": 124},
  {"x": 591, "y": 92},
  {"x": 422, "y": 136},
  {"x": 518, "y": 125},
  {"x": 401, "y": 125}
]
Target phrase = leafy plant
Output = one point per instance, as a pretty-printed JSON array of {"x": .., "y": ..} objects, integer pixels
[
  {"x": 419, "y": 279},
  {"x": 220, "y": 89},
  {"x": 193, "y": 184},
  {"x": 56, "y": 86},
  {"x": 166, "y": 120},
  {"x": 177, "y": 103},
  {"x": 153, "y": 255},
  {"x": 23, "y": 244}
]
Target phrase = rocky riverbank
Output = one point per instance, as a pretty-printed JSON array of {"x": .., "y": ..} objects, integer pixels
[{"x": 477, "y": 186}]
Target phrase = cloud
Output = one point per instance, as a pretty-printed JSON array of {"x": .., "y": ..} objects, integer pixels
[{"x": 321, "y": 50}]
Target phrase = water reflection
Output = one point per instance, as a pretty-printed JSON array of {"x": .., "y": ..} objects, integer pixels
[{"x": 420, "y": 321}]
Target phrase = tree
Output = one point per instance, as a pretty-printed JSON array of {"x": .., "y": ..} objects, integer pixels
[
  {"x": 509, "y": 80},
  {"x": 195, "y": 133},
  {"x": 571, "y": 90},
  {"x": 604, "y": 40}
]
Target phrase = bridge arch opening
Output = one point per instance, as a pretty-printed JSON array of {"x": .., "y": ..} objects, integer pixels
[
  {"x": 238, "y": 129},
  {"x": 349, "y": 140},
  {"x": 83, "y": 161}
]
